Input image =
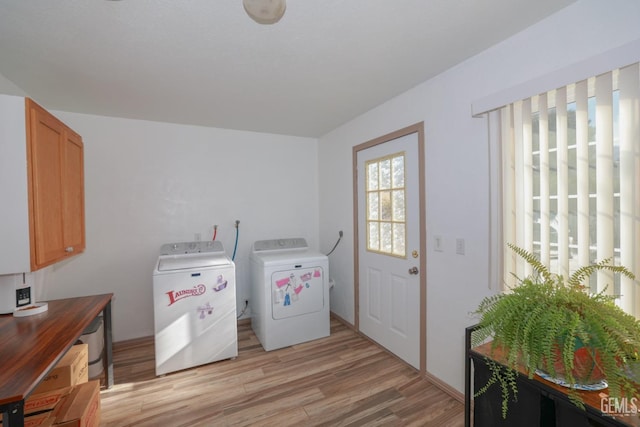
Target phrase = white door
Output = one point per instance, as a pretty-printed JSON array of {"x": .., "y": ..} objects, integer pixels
[{"x": 389, "y": 247}]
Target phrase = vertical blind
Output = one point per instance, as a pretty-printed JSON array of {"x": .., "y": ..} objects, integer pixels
[{"x": 571, "y": 180}]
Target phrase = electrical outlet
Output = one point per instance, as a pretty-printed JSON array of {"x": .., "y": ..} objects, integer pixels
[
  {"x": 460, "y": 246},
  {"x": 245, "y": 310}
]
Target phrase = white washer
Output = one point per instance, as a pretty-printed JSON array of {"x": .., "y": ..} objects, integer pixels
[
  {"x": 289, "y": 293},
  {"x": 194, "y": 297}
]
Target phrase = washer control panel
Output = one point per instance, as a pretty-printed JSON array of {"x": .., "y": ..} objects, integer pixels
[{"x": 191, "y": 247}]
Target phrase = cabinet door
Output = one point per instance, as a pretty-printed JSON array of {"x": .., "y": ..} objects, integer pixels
[
  {"x": 73, "y": 193},
  {"x": 56, "y": 188},
  {"x": 45, "y": 142}
]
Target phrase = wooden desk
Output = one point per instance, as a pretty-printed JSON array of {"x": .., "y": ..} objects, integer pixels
[
  {"x": 31, "y": 346},
  {"x": 540, "y": 402}
]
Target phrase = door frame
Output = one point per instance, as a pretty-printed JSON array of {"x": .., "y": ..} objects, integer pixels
[{"x": 419, "y": 129}]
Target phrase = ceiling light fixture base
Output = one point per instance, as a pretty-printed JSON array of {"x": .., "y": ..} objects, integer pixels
[{"x": 265, "y": 12}]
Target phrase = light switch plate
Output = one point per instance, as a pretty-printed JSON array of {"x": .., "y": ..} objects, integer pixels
[{"x": 438, "y": 244}]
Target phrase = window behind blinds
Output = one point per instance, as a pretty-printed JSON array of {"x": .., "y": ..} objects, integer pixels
[{"x": 571, "y": 180}]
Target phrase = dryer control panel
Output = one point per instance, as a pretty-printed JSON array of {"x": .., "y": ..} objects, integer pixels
[{"x": 280, "y": 244}]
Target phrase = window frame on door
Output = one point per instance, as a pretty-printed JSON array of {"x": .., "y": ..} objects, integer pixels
[{"x": 389, "y": 187}]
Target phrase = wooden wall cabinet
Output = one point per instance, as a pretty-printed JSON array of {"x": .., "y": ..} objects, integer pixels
[
  {"x": 56, "y": 183},
  {"x": 43, "y": 187}
]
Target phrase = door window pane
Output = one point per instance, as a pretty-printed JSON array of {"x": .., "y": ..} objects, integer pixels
[
  {"x": 373, "y": 238},
  {"x": 372, "y": 176},
  {"x": 398, "y": 239},
  {"x": 385, "y": 174},
  {"x": 398, "y": 205},
  {"x": 385, "y": 205},
  {"x": 373, "y": 205}
]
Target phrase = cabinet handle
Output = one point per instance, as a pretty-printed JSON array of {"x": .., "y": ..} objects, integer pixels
[{"x": 68, "y": 249}]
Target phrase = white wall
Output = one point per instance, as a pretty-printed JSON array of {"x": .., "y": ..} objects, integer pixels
[
  {"x": 457, "y": 164},
  {"x": 149, "y": 183},
  {"x": 8, "y": 88}
]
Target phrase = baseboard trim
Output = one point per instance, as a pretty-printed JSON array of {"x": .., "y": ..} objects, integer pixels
[
  {"x": 445, "y": 387},
  {"x": 343, "y": 321}
]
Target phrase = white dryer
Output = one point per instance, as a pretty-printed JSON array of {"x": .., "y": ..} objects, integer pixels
[
  {"x": 289, "y": 293},
  {"x": 194, "y": 297}
]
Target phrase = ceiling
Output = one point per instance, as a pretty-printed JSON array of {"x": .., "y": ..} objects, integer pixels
[{"x": 205, "y": 62}]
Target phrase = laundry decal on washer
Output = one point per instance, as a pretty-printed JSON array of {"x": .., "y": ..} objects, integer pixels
[
  {"x": 205, "y": 310},
  {"x": 288, "y": 287},
  {"x": 185, "y": 293},
  {"x": 221, "y": 284}
]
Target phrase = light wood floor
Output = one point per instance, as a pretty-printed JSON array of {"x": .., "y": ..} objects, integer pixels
[{"x": 342, "y": 380}]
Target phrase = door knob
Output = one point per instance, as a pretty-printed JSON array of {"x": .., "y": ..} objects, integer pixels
[
  {"x": 413, "y": 270},
  {"x": 68, "y": 249}
]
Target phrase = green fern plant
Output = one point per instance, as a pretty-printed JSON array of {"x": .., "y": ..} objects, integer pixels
[{"x": 544, "y": 320}]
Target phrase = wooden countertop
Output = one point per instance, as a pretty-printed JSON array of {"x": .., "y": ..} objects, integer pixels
[
  {"x": 592, "y": 399},
  {"x": 32, "y": 345}
]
